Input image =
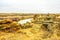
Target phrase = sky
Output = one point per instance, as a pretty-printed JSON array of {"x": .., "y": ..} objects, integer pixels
[{"x": 30, "y": 6}]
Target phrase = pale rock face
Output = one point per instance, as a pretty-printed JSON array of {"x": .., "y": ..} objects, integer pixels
[{"x": 24, "y": 21}]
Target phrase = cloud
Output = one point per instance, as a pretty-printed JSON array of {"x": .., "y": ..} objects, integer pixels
[{"x": 35, "y": 6}]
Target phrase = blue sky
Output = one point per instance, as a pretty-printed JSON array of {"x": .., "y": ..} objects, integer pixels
[{"x": 30, "y": 6}]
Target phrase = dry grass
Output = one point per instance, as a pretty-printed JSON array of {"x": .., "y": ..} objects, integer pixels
[{"x": 36, "y": 32}]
